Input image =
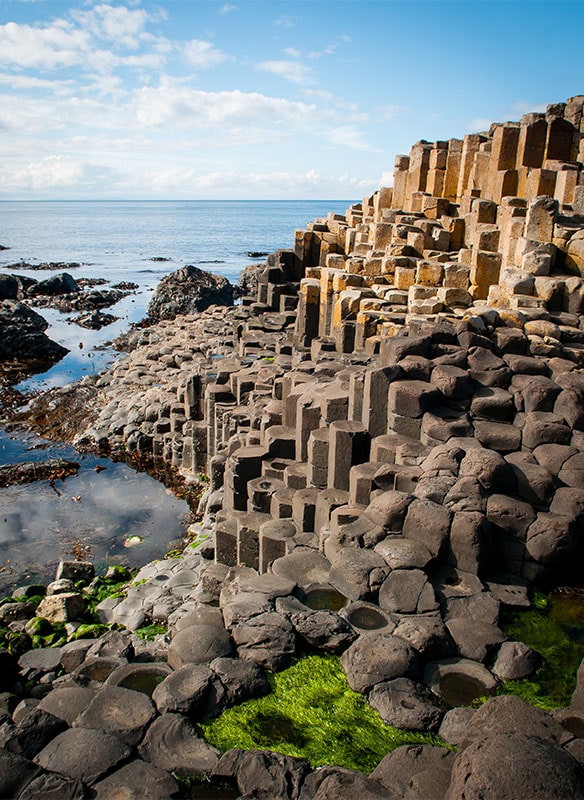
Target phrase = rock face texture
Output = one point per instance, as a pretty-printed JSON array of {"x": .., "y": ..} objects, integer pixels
[
  {"x": 187, "y": 291},
  {"x": 23, "y": 337},
  {"x": 393, "y": 422}
]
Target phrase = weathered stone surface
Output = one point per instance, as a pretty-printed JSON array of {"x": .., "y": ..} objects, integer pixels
[
  {"x": 241, "y": 680},
  {"x": 407, "y": 591},
  {"x": 371, "y": 661},
  {"x": 533, "y": 767},
  {"x": 82, "y": 754},
  {"x": 186, "y": 690},
  {"x": 398, "y": 770},
  {"x": 267, "y": 639},
  {"x": 137, "y": 781},
  {"x": 50, "y": 786},
  {"x": 15, "y": 773},
  {"x": 261, "y": 773},
  {"x": 187, "y": 291},
  {"x": 199, "y": 644},
  {"x": 171, "y": 743},
  {"x": 67, "y": 702},
  {"x": 406, "y": 704},
  {"x": 23, "y": 335},
  {"x": 120, "y": 712},
  {"x": 30, "y": 735}
]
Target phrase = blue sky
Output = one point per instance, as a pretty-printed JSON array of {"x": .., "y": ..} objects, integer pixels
[{"x": 273, "y": 100}]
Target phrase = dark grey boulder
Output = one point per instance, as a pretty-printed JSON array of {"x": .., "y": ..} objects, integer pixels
[
  {"x": 454, "y": 724},
  {"x": 188, "y": 690},
  {"x": 371, "y": 660},
  {"x": 397, "y": 771},
  {"x": 553, "y": 456},
  {"x": 389, "y": 510},
  {"x": 260, "y": 773},
  {"x": 241, "y": 680},
  {"x": 487, "y": 467},
  {"x": 171, "y": 743},
  {"x": 50, "y": 786},
  {"x": 406, "y": 704},
  {"x": 544, "y": 427},
  {"x": 120, "y": 712},
  {"x": 83, "y": 754},
  {"x": 551, "y": 539},
  {"x": 187, "y": 291},
  {"x": 15, "y": 773},
  {"x": 303, "y": 566},
  {"x": 427, "y": 634},
  {"x": 198, "y": 644},
  {"x": 515, "y": 660},
  {"x": 35, "y": 731},
  {"x": 512, "y": 765},
  {"x": 475, "y": 639},
  {"x": 67, "y": 702},
  {"x": 267, "y": 639},
  {"x": 407, "y": 591},
  {"x": 113, "y": 644},
  {"x": 325, "y": 630},
  {"x": 336, "y": 783},
  {"x": 137, "y": 781},
  {"x": 40, "y": 660},
  {"x": 572, "y": 471},
  {"x": 62, "y": 283},
  {"x": 510, "y": 714},
  {"x": 510, "y": 515},
  {"x": 357, "y": 573},
  {"x": 400, "y": 553},
  {"x": 428, "y": 524}
]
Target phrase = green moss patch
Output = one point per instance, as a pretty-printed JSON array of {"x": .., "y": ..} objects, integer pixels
[
  {"x": 551, "y": 629},
  {"x": 312, "y": 713}
]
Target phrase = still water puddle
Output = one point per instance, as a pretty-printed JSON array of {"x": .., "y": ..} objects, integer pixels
[{"x": 109, "y": 512}]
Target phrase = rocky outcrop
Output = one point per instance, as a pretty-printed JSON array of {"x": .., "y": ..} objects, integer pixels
[
  {"x": 187, "y": 291},
  {"x": 23, "y": 338}
]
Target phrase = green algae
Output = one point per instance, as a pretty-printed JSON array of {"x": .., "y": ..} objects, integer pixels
[
  {"x": 312, "y": 713},
  {"x": 555, "y": 629},
  {"x": 150, "y": 632}
]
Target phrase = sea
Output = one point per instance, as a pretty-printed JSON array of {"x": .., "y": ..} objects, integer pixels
[{"x": 109, "y": 511}]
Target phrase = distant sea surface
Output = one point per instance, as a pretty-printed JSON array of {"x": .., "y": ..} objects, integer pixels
[{"x": 123, "y": 240}]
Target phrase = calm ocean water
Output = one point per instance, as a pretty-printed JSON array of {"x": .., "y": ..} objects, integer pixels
[{"x": 117, "y": 241}]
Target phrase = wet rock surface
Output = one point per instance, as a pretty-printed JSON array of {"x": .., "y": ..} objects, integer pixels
[{"x": 187, "y": 291}]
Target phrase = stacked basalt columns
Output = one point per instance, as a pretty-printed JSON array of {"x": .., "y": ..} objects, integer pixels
[
  {"x": 435, "y": 361},
  {"x": 496, "y": 218}
]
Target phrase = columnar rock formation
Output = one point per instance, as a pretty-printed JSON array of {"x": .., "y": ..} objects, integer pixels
[{"x": 397, "y": 416}]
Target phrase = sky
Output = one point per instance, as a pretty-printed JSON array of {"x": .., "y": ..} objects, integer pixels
[{"x": 252, "y": 99}]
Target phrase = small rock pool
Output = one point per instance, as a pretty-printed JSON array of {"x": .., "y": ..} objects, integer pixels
[{"x": 108, "y": 513}]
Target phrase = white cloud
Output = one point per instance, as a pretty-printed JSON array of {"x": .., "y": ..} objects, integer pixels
[
  {"x": 523, "y": 107},
  {"x": 227, "y": 8},
  {"x": 478, "y": 124},
  {"x": 57, "y": 172},
  {"x": 389, "y": 112},
  {"x": 203, "y": 54},
  {"x": 117, "y": 24},
  {"x": 43, "y": 48},
  {"x": 284, "y": 22},
  {"x": 291, "y": 52},
  {"x": 187, "y": 107},
  {"x": 292, "y": 71},
  {"x": 349, "y": 136}
]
